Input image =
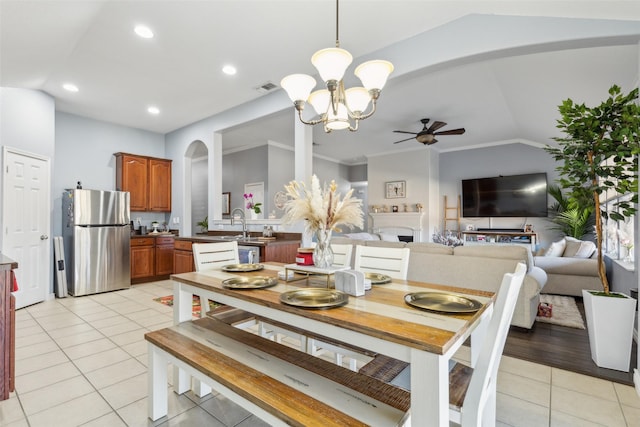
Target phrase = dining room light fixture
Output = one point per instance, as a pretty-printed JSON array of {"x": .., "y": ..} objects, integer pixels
[{"x": 338, "y": 108}]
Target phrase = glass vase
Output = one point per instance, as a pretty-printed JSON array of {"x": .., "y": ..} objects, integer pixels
[
  {"x": 629, "y": 257},
  {"x": 322, "y": 253}
]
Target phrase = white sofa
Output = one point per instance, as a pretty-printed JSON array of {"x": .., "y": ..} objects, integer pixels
[
  {"x": 476, "y": 267},
  {"x": 571, "y": 266}
]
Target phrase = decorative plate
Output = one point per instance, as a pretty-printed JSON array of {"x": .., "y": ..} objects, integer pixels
[
  {"x": 315, "y": 298},
  {"x": 442, "y": 302},
  {"x": 377, "y": 278},
  {"x": 242, "y": 267},
  {"x": 280, "y": 199},
  {"x": 256, "y": 282}
]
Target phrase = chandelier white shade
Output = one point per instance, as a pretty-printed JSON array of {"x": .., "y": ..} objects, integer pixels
[{"x": 338, "y": 108}]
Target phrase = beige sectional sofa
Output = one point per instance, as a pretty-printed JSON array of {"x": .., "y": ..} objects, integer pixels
[
  {"x": 571, "y": 266},
  {"x": 477, "y": 267}
]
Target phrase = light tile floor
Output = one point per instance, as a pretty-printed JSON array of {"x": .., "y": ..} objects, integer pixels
[{"x": 82, "y": 362}]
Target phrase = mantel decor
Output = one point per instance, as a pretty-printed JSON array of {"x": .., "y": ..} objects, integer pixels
[
  {"x": 395, "y": 189},
  {"x": 323, "y": 211}
]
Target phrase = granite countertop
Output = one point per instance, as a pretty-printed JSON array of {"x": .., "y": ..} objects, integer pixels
[{"x": 252, "y": 241}]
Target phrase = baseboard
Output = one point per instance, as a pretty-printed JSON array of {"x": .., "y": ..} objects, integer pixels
[{"x": 636, "y": 380}]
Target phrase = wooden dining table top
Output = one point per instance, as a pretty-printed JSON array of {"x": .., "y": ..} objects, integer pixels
[{"x": 381, "y": 312}]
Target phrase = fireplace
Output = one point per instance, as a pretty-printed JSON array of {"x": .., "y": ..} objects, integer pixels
[{"x": 406, "y": 225}]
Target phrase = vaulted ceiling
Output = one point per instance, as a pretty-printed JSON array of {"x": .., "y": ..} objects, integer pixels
[{"x": 498, "y": 69}]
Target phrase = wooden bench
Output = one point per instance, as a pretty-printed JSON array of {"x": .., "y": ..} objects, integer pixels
[{"x": 279, "y": 384}]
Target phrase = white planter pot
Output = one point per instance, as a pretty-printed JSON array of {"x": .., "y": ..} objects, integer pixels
[
  {"x": 610, "y": 326},
  {"x": 254, "y": 215}
]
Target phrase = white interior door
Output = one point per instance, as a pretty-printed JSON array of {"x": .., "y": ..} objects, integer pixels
[
  {"x": 257, "y": 189},
  {"x": 26, "y": 212}
]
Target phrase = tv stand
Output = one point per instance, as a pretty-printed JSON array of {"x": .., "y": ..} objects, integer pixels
[
  {"x": 496, "y": 236},
  {"x": 491, "y": 230}
]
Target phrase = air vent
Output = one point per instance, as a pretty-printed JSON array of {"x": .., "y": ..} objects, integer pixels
[{"x": 266, "y": 87}]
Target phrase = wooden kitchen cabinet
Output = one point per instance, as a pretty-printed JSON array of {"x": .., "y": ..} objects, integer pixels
[
  {"x": 7, "y": 327},
  {"x": 147, "y": 179},
  {"x": 159, "y": 185},
  {"x": 183, "y": 257},
  {"x": 142, "y": 258},
  {"x": 164, "y": 256},
  {"x": 151, "y": 258}
]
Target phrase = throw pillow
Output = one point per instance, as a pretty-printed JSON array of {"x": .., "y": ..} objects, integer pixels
[
  {"x": 386, "y": 237},
  {"x": 586, "y": 250},
  {"x": 572, "y": 247},
  {"x": 556, "y": 249}
]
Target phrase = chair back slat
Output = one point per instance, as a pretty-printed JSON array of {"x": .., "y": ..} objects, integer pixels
[
  {"x": 209, "y": 256},
  {"x": 341, "y": 254},
  {"x": 394, "y": 262}
]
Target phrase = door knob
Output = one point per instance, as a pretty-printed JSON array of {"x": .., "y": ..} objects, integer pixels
[{"x": 44, "y": 237}]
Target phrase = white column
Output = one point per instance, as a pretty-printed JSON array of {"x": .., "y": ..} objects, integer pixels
[
  {"x": 215, "y": 172},
  {"x": 303, "y": 149}
]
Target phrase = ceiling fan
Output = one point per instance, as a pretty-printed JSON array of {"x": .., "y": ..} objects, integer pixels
[{"x": 427, "y": 135}]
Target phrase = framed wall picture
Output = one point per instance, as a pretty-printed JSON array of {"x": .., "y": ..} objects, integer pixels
[
  {"x": 226, "y": 203},
  {"x": 395, "y": 189}
]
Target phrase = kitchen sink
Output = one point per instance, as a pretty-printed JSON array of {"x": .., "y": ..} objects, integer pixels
[{"x": 235, "y": 237}]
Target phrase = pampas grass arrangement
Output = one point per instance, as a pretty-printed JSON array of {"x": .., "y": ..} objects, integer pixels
[{"x": 321, "y": 207}]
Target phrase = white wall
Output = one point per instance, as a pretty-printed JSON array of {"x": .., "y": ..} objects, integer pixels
[{"x": 84, "y": 152}]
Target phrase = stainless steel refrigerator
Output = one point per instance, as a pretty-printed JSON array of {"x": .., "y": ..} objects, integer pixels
[{"x": 97, "y": 237}]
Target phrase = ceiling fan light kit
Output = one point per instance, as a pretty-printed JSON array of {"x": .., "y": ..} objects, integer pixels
[{"x": 338, "y": 108}]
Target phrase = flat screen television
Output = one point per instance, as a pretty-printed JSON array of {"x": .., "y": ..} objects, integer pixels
[{"x": 505, "y": 196}]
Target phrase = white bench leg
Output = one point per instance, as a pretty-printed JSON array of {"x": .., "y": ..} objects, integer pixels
[
  {"x": 181, "y": 381},
  {"x": 157, "y": 383}
]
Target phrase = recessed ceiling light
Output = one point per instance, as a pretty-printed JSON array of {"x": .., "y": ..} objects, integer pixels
[
  {"x": 229, "y": 70},
  {"x": 70, "y": 87},
  {"x": 153, "y": 110},
  {"x": 143, "y": 31}
]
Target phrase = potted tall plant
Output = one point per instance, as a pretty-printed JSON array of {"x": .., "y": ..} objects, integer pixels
[{"x": 600, "y": 154}]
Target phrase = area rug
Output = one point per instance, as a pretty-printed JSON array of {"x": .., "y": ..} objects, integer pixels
[
  {"x": 564, "y": 311},
  {"x": 168, "y": 300}
]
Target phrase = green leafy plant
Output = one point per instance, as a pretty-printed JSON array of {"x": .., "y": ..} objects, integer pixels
[
  {"x": 204, "y": 224},
  {"x": 576, "y": 221},
  {"x": 599, "y": 153}
]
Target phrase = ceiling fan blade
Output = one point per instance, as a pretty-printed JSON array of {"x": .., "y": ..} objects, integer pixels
[
  {"x": 403, "y": 140},
  {"x": 458, "y": 131},
  {"x": 405, "y": 131},
  {"x": 436, "y": 125}
]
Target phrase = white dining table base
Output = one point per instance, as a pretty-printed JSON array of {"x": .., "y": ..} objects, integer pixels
[{"x": 429, "y": 399}]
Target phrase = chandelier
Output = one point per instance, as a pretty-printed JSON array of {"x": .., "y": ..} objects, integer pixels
[{"x": 338, "y": 108}]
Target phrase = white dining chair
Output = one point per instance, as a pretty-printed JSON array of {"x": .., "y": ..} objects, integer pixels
[
  {"x": 394, "y": 262},
  {"x": 342, "y": 254},
  {"x": 213, "y": 256},
  {"x": 210, "y": 256},
  {"x": 472, "y": 394}
]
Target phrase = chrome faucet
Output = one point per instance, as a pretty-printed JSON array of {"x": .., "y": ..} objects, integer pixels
[{"x": 242, "y": 218}]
